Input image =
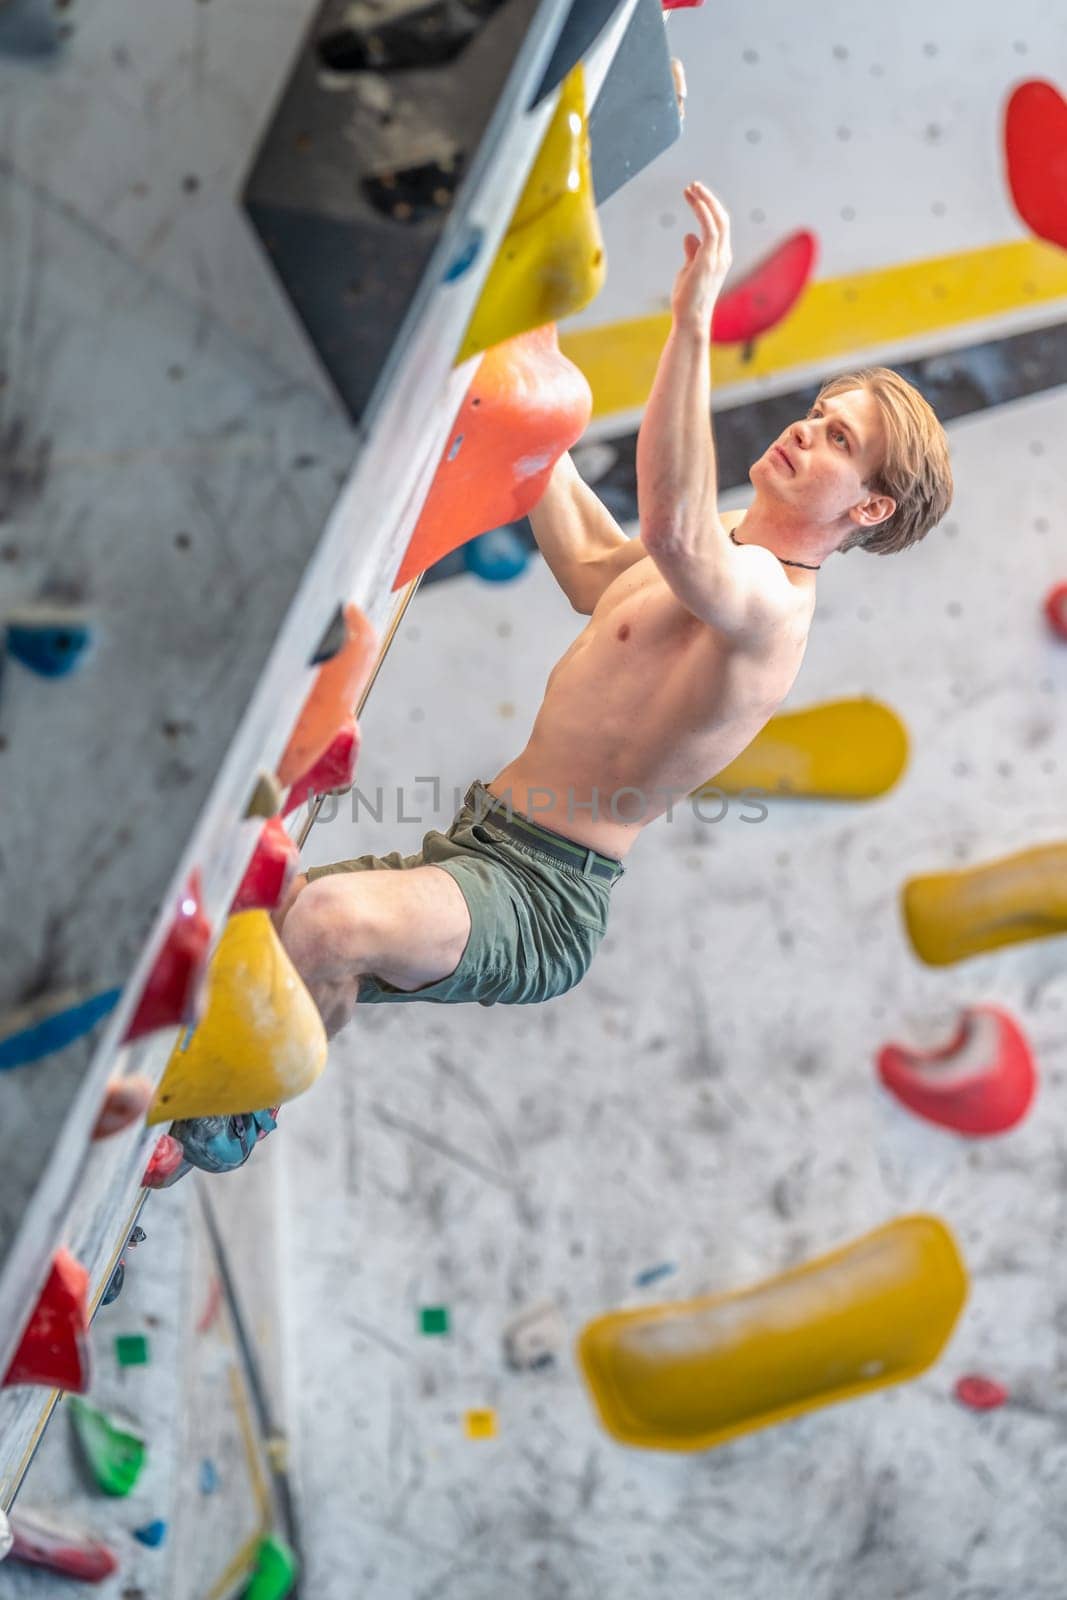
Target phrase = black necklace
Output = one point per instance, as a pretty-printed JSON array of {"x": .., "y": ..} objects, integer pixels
[{"x": 805, "y": 564}]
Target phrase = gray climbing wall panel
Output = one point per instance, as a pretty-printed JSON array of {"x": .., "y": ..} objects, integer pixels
[
  {"x": 347, "y": 231},
  {"x": 173, "y": 509}
]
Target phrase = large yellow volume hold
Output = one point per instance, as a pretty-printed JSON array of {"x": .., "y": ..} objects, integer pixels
[
  {"x": 692, "y": 1375},
  {"x": 551, "y": 260},
  {"x": 952, "y": 915},
  {"x": 260, "y": 1041},
  {"x": 842, "y": 750}
]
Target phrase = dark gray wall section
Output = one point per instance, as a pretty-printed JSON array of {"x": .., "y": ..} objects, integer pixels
[{"x": 176, "y": 485}]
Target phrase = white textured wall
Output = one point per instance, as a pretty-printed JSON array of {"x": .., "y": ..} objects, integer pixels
[{"x": 877, "y": 127}]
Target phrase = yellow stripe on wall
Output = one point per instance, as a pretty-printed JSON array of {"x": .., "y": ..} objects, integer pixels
[{"x": 836, "y": 317}]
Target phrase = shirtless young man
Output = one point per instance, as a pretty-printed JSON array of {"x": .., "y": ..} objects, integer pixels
[{"x": 697, "y": 630}]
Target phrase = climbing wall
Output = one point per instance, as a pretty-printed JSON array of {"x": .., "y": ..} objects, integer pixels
[
  {"x": 710, "y": 1109},
  {"x": 706, "y": 1110},
  {"x": 185, "y": 508},
  {"x": 135, "y": 1388},
  {"x": 702, "y": 1113},
  {"x": 896, "y": 222},
  {"x": 189, "y": 1368},
  {"x": 901, "y": 180}
]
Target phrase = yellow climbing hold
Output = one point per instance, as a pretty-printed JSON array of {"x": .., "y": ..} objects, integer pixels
[
  {"x": 480, "y": 1424},
  {"x": 692, "y": 1375},
  {"x": 952, "y": 915},
  {"x": 842, "y": 750},
  {"x": 260, "y": 1041},
  {"x": 551, "y": 259}
]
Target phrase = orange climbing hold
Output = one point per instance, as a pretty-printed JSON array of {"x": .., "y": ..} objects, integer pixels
[
  {"x": 335, "y": 768},
  {"x": 526, "y": 405},
  {"x": 338, "y": 686},
  {"x": 54, "y": 1350},
  {"x": 125, "y": 1101}
]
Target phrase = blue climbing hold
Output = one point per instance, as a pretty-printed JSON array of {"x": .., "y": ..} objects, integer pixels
[
  {"x": 51, "y": 1034},
  {"x": 114, "y": 1285},
  {"x": 209, "y": 1476},
  {"x": 118, "y": 1277},
  {"x": 152, "y": 1534},
  {"x": 50, "y": 645},
  {"x": 662, "y": 1269},
  {"x": 222, "y": 1144},
  {"x": 465, "y": 256},
  {"x": 497, "y": 556}
]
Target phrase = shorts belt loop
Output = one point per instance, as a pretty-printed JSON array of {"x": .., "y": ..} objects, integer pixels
[{"x": 590, "y": 862}]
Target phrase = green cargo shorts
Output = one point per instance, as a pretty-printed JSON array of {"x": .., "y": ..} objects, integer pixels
[{"x": 536, "y": 923}]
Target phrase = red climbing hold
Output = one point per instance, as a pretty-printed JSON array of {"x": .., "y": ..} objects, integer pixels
[
  {"x": 1035, "y": 147},
  {"x": 334, "y": 697},
  {"x": 54, "y": 1349},
  {"x": 981, "y": 1394},
  {"x": 270, "y": 870},
  {"x": 981, "y": 1082},
  {"x": 41, "y": 1543},
  {"x": 164, "y": 1164},
  {"x": 172, "y": 990},
  {"x": 1056, "y": 609},
  {"x": 335, "y": 768},
  {"x": 681, "y": 5},
  {"x": 526, "y": 404},
  {"x": 767, "y": 294},
  {"x": 125, "y": 1101}
]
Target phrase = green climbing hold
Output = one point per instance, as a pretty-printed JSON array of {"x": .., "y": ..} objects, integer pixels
[
  {"x": 275, "y": 1571},
  {"x": 434, "y": 1319},
  {"x": 115, "y": 1455},
  {"x": 131, "y": 1349}
]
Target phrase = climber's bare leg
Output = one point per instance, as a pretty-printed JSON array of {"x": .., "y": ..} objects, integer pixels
[
  {"x": 281, "y": 910},
  {"x": 409, "y": 928}
]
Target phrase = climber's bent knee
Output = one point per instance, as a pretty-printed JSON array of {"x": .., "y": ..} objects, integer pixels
[
  {"x": 421, "y": 924},
  {"x": 329, "y": 933}
]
